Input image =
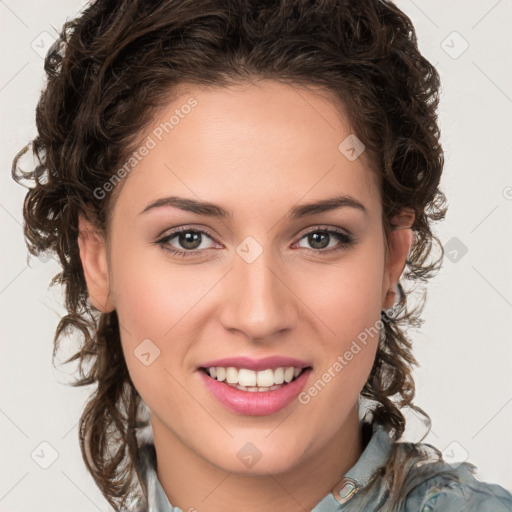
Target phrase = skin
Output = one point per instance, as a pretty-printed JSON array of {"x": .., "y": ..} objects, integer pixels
[{"x": 257, "y": 151}]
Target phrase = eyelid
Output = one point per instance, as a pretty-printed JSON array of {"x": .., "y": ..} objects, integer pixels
[
  {"x": 338, "y": 233},
  {"x": 176, "y": 231},
  {"x": 325, "y": 227},
  {"x": 187, "y": 227}
]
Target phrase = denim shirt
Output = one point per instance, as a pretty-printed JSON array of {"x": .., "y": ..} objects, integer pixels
[{"x": 436, "y": 487}]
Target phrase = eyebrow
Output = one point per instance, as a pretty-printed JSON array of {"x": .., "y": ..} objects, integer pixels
[{"x": 216, "y": 211}]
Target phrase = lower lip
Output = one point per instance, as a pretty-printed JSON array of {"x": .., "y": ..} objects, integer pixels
[{"x": 255, "y": 403}]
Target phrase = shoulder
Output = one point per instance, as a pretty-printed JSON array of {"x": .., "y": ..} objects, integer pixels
[
  {"x": 442, "y": 487},
  {"x": 441, "y": 494},
  {"x": 414, "y": 477}
]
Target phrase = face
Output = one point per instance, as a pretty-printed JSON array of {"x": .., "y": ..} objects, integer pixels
[{"x": 268, "y": 279}]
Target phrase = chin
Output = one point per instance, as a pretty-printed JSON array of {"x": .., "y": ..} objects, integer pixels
[
  {"x": 259, "y": 458},
  {"x": 275, "y": 464}
]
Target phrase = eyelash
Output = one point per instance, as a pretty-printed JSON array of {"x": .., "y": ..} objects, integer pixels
[{"x": 345, "y": 241}]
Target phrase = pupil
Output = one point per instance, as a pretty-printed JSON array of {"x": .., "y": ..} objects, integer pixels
[
  {"x": 190, "y": 240},
  {"x": 313, "y": 240}
]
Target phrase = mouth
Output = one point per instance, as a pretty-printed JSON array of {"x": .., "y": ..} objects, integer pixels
[
  {"x": 255, "y": 393},
  {"x": 252, "y": 381}
]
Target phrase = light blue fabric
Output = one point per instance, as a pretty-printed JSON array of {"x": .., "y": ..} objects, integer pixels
[
  {"x": 471, "y": 495},
  {"x": 431, "y": 488}
]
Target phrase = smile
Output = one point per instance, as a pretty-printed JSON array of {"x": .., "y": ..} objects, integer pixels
[
  {"x": 252, "y": 392},
  {"x": 250, "y": 380}
]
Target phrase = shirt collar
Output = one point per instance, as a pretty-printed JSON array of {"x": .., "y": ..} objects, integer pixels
[{"x": 374, "y": 456}]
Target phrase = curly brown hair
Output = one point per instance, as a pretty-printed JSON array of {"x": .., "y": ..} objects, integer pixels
[{"x": 117, "y": 62}]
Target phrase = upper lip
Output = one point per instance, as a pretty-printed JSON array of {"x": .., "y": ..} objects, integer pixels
[{"x": 257, "y": 364}]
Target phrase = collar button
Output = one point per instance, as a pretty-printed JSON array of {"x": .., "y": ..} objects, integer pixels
[{"x": 345, "y": 490}]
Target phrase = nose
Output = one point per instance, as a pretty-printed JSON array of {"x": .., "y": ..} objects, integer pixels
[{"x": 260, "y": 302}]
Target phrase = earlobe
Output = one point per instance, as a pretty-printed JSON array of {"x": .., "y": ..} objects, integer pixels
[
  {"x": 94, "y": 263},
  {"x": 399, "y": 244}
]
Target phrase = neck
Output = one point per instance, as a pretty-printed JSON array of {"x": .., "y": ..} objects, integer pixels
[{"x": 191, "y": 482}]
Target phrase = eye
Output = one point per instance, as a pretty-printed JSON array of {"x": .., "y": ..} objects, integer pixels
[
  {"x": 320, "y": 238},
  {"x": 187, "y": 238},
  {"x": 191, "y": 241}
]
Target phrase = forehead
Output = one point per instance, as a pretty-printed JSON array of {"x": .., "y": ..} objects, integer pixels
[{"x": 248, "y": 146}]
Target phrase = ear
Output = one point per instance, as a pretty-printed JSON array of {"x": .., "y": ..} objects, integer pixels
[
  {"x": 93, "y": 256},
  {"x": 399, "y": 244}
]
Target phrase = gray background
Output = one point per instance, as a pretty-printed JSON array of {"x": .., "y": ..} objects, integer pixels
[{"x": 464, "y": 348}]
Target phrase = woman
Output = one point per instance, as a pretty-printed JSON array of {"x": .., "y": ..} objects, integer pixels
[{"x": 234, "y": 190}]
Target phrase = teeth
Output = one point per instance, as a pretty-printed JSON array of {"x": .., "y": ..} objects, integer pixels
[
  {"x": 288, "y": 374},
  {"x": 265, "y": 378},
  {"x": 254, "y": 388},
  {"x": 253, "y": 379},
  {"x": 279, "y": 376},
  {"x": 246, "y": 377},
  {"x": 231, "y": 375}
]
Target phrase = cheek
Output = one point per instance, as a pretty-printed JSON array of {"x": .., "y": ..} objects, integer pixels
[
  {"x": 152, "y": 302},
  {"x": 346, "y": 296},
  {"x": 348, "y": 303},
  {"x": 150, "y": 294}
]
